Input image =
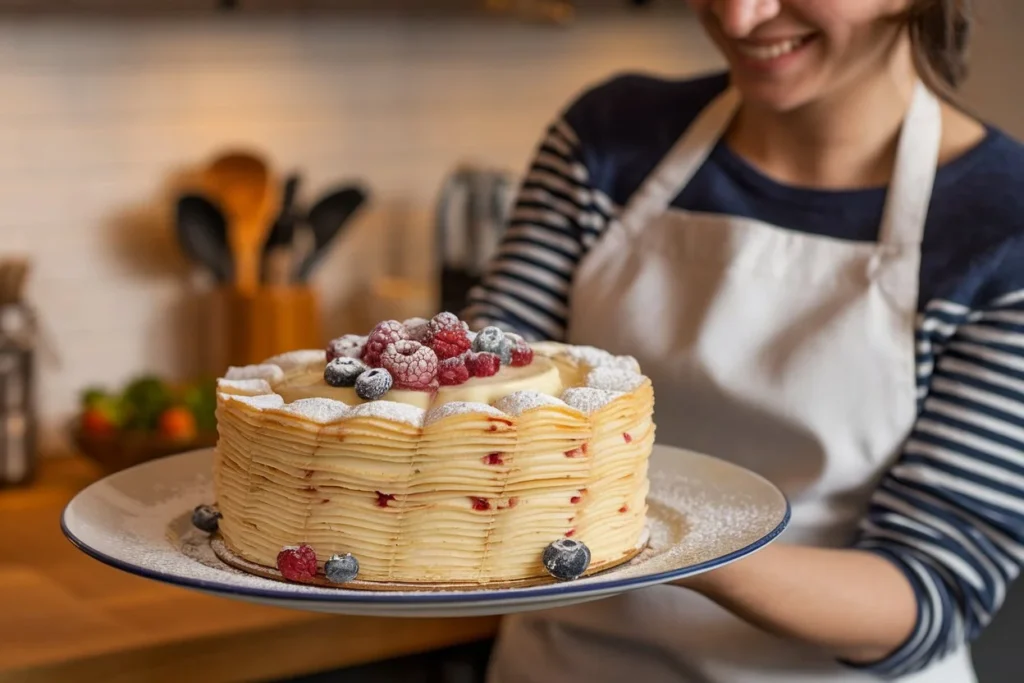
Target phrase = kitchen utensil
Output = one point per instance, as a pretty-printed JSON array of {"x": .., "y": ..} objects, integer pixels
[
  {"x": 703, "y": 513},
  {"x": 279, "y": 250},
  {"x": 18, "y": 341},
  {"x": 202, "y": 234},
  {"x": 325, "y": 220},
  {"x": 472, "y": 214},
  {"x": 242, "y": 183}
]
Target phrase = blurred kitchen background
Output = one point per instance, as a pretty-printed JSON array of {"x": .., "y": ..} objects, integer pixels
[{"x": 380, "y": 142}]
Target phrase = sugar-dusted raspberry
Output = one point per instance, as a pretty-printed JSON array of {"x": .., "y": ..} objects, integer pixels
[
  {"x": 417, "y": 328},
  {"x": 522, "y": 352},
  {"x": 386, "y": 332},
  {"x": 297, "y": 563},
  {"x": 447, "y": 336},
  {"x": 452, "y": 371},
  {"x": 411, "y": 364},
  {"x": 347, "y": 346},
  {"x": 483, "y": 364}
]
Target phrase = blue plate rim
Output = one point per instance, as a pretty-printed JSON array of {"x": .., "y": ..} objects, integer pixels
[{"x": 469, "y": 597}]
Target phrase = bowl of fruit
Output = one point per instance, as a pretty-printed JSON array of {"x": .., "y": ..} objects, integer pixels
[{"x": 147, "y": 418}]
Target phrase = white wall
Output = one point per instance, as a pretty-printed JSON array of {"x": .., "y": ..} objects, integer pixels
[{"x": 97, "y": 116}]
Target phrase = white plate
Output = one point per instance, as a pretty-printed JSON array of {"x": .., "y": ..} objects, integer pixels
[{"x": 704, "y": 513}]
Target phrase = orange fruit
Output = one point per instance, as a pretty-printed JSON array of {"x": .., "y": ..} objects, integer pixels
[{"x": 178, "y": 423}]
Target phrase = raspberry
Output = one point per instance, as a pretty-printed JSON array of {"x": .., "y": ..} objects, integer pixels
[
  {"x": 417, "y": 328},
  {"x": 343, "y": 371},
  {"x": 450, "y": 343},
  {"x": 483, "y": 364},
  {"x": 522, "y": 352},
  {"x": 373, "y": 384},
  {"x": 447, "y": 336},
  {"x": 452, "y": 371},
  {"x": 297, "y": 563},
  {"x": 413, "y": 365},
  {"x": 348, "y": 346},
  {"x": 387, "y": 332}
]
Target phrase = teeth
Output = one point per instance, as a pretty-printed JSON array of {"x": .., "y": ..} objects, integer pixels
[{"x": 773, "y": 51}]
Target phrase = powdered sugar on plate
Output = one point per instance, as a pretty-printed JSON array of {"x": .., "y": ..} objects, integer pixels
[
  {"x": 520, "y": 402},
  {"x": 454, "y": 408},
  {"x": 271, "y": 373},
  {"x": 588, "y": 400},
  {"x": 700, "y": 512}
]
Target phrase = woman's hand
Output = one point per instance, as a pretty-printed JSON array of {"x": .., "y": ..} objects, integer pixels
[{"x": 855, "y": 604}]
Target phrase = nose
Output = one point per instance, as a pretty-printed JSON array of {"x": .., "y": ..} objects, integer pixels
[{"x": 740, "y": 17}]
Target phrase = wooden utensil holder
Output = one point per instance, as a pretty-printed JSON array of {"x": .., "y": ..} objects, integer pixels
[{"x": 243, "y": 328}]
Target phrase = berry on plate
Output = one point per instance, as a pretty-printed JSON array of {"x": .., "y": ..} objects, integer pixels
[
  {"x": 343, "y": 371},
  {"x": 386, "y": 332},
  {"x": 297, "y": 563},
  {"x": 411, "y": 364},
  {"x": 206, "y": 518},
  {"x": 493, "y": 340},
  {"x": 566, "y": 559},
  {"x": 341, "y": 568},
  {"x": 522, "y": 352},
  {"x": 373, "y": 384}
]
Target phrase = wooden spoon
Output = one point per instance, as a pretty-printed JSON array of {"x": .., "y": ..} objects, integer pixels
[{"x": 243, "y": 185}]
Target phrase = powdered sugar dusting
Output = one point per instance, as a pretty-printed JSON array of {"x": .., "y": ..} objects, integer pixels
[
  {"x": 244, "y": 387},
  {"x": 264, "y": 402},
  {"x": 298, "y": 360},
  {"x": 520, "y": 402},
  {"x": 588, "y": 400},
  {"x": 390, "y": 410},
  {"x": 454, "y": 408},
  {"x": 319, "y": 410},
  {"x": 271, "y": 373},
  {"x": 142, "y": 520},
  {"x": 599, "y": 358},
  {"x": 614, "y": 379}
]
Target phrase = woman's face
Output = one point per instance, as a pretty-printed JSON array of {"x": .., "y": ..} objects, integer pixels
[{"x": 788, "y": 53}]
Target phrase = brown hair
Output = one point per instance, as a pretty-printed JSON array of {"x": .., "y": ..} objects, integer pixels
[{"x": 940, "y": 32}]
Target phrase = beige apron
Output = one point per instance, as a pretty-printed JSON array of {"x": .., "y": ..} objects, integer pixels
[{"x": 789, "y": 353}]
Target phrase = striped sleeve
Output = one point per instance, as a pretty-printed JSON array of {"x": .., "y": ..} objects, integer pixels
[
  {"x": 950, "y": 512},
  {"x": 556, "y": 217}
]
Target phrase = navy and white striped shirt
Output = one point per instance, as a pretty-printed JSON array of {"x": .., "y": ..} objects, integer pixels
[{"x": 950, "y": 512}]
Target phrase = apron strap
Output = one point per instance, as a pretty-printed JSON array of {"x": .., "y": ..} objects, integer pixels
[
  {"x": 678, "y": 167},
  {"x": 907, "y": 199},
  {"x": 917, "y": 159}
]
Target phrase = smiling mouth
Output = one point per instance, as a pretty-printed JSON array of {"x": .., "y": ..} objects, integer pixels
[{"x": 766, "y": 51}]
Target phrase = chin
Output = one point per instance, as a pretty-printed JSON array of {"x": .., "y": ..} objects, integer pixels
[{"x": 779, "y": 96}]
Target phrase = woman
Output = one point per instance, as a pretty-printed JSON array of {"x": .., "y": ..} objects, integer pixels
[{"x": 818, "y": 261}]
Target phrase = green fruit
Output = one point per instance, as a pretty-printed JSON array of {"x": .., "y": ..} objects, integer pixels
[
  {"x": 144, "y": 400},
  {"x": 201, "y": 400}
]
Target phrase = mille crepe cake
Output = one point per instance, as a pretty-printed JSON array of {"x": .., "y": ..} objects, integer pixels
[{"x": 425, "y": 454}]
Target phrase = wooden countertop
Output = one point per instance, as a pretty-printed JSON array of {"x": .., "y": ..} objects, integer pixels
[{"x": 67, "y": 617}]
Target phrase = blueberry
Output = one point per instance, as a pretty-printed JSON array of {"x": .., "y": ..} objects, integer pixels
[
  {"x": 206, "y": 518},
  {"x": 373, "y": 384},
  {"x": 341, "y": 568},
  {"x": 493, "y": 340},
  {"x": 566, "y": 559},
  {"x": 343, "y": 372}
]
